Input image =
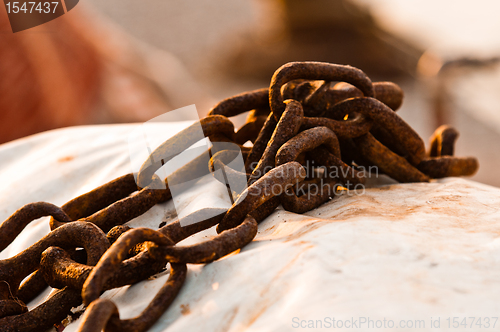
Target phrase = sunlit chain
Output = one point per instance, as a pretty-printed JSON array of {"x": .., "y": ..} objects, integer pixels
[{"x": 313, "y": 113}]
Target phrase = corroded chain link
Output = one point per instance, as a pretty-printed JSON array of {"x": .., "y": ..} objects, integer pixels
[{"x": 301, "y": 120}]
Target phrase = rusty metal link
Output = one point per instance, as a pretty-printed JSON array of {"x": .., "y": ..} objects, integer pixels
[
  {"x": 220, "y": 161},
  {"x": 97, "y": 315},
  {"x": 115, "y": 232},
  {"x": 43, "y": 317},
  {"x": 354, "y": 126},
  {"x": 265, "y": 209},
  {"x": 290, "y": 151},
  {"x": 385, "y": 117},
  {"x": 312, "y": 94},
  {"x": 351, "y": 155},
  {"x": 274, "y": 183},
  {"x": 102, "y": 314},
  {"x": 287, "y": 127},
  {"x": 256, "y": 101},
  {"x": 325, "y": 97},
  {"x": 97, "y": 199},
  {"x": 13, "y": 270},
  {"x": 387, "y": 92},
  {"x": 300, "y": 89},
  {"x": 71, "y": 235},
  {"x": 389, "y": 162},
  {"x": 440, "y": 167},
  {"x": 113, "y": 257},
  {"x": 314, "y": 71},
  {"x": 301, "y": 203},
  {"x": 260, "y": 143},
  {"x": 250, "y": 130},
  {"x": 336, "y": 168},
  {"x": 177, "y": 233},
  {"x": 208, "y": 251},
  {"x": 105, "y": 217},
  {"x": 223, "y": 156},
  {"x": 386, "y": 138},
  {"x": 111, "y": 204},
  {"x": 14, "y": 225},
  {"x": 307, "y": 141},
  {"x": 126, "y": 209},
  {"x": 31, "y": 287},
  {"x": 241, "y": 103},
  {"x": 443, "y": 141},
  {"x": 10, "y": 307},
  {"x": 59, "y": 270}
]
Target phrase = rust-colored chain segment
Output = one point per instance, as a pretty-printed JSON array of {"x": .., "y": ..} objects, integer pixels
[
  {"x": 103, "y": 314},
  {"x": 301, "y": 203},
  {"x": 177, "y": 233},
  {"x": 320, "y": 189},
  {"x": 31, "y": 287},
  {"x": 274, "y": 183},
  {"x": 389, "y": 162},
  {"x": 244, "y": 102},
  {"x": 443, "y": 141},
  {"x": 287, "y": 127},
  {"x": 250, "y": 130},
  {"x": 445, "y": 166},
  {"x": 97, "y": 199},
  {"x": 385, "y": 117},
  {"x": 260, "y": 143},
  {"x": 354, "y": 126},
  {"x": 309, "y": 137},
  {"x": 208, "y": 251},
  {"x": 306, "y": 141},
  {"x": 75, "y": 234},
  {"x": 59, "y": 270},
  {"x": 10, "y": 307},
  {"x": 218, "y": 165},
  {"x": 325, "y": 97},
  {"x": 44, "y": 316},
  {"x": 336, "y": 168},
  {"x": 113, "y": 257},
  {"x": 315, "y": 71},
  {"x": 389, "y": 93},
  {"x": 13, "y": 270},
  {"x": 126, "y": 209},
  {"x": 14, "y": 225}
]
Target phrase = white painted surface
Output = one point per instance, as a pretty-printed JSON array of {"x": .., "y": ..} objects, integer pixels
[{"x": 399, "y": 252}]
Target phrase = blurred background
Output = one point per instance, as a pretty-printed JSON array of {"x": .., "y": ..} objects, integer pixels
[{"x": 119, "y": 61}]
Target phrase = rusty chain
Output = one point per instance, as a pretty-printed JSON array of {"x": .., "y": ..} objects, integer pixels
[{"x": 302, "y": 117}]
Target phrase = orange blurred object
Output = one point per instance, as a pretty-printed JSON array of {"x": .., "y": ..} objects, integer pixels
[
  {"x": 48, "y": 78},
  {"x": 82, "y": 69}
]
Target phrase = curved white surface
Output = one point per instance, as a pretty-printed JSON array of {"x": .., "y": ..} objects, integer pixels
[{"x": 400, "y": 252}]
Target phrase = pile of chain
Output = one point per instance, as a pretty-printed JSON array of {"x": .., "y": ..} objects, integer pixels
[{"x": 302, "y": 117}]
